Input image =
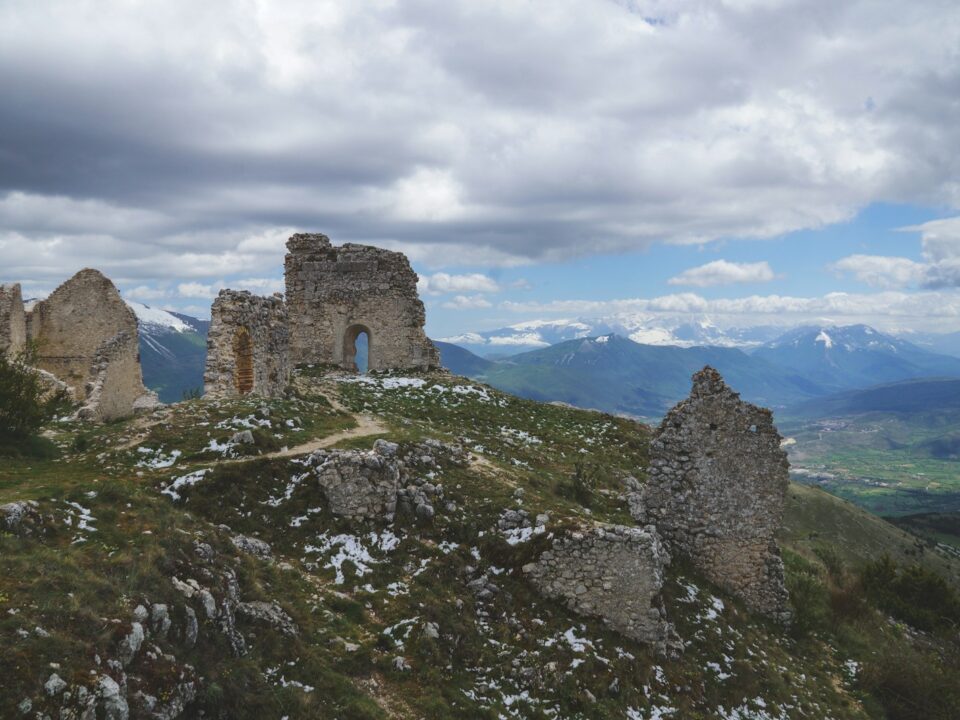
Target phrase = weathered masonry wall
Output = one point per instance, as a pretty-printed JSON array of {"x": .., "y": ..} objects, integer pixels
[
  {"x": 86, "y": 336},
  {"x": 335, "y": 293},
  {"x": 13, "y": 323},
  {"x": 613, "y": 572},
  {"x": 716, "y": 490},
  {"x": 248, "y": 346}
]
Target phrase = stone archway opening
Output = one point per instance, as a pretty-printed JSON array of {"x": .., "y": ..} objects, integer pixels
[
  {"x": 357, "y": 348},
  {"x": 243, "y": 358}
]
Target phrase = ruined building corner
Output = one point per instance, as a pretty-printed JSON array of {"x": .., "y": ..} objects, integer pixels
[
  {"x": 248, "y": 346},
  {"x": 86, "y": 336},
  {"x": 336, "y": 293},
  {"x": 716, "y": 490}
]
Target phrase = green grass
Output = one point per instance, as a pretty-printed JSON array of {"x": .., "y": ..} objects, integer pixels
[{"x": 81, "y": 586}]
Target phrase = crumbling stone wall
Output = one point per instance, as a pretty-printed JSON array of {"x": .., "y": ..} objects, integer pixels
[
  {"x": 335, "y": 293},
  {"x": 13, "y": 324},
  {"x": 716, "y": 489},
  {"x": 613, "y": 572},
  {"x": 114, "y": 380},
  {"x": 358, "y": 484},
  {"x": 248, "y": 346},
  {"x": 86, "y": 336}
]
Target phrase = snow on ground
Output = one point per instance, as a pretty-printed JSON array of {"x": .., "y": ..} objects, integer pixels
[
  {"x": 155, "y": 459},
  {"x": 352, "y": 548},
  {"x": 83, "y": 517},
  {"x": 184, "y": 481}
]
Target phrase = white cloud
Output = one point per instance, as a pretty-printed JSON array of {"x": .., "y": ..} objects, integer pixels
[
  {"x": 465, "y": 302},
  {"x": 890, "y": 310},
  {"x": 199, "y": 290},
  {"x": 441, "y": 283},
  {"x": 881, "y": 271},
  {"x": 722, "y": 272},
  {"x": 940, "y": 247},
  {"x": 144, "y": 292},
  {"x": 442, "y": 138}
]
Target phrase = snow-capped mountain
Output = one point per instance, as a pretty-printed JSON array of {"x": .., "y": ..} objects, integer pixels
[
  {"x": 840, "y": 358},
  {"x": 173, "y": 351},
  {"x": 642, "y": 328}
]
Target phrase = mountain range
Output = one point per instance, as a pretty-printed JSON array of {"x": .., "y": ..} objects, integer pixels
[{"x": 613, "y": 371}]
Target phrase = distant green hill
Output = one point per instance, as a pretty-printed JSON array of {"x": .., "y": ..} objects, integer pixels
[
  {"x": 615, "y": 374},
  {"x": 461, "y": 361},
  {"x": 936, "y": 396}
]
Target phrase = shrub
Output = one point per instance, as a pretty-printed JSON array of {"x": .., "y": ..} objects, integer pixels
[
  {"x": 26, "y": 402},
  {"x": 915, "y": 595}
]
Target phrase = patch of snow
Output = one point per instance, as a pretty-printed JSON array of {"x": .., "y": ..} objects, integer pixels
[
  {"x": 159, "y": 318},
  {"x": 824, "y": 338},
  {"x": 184, "y": 481}
]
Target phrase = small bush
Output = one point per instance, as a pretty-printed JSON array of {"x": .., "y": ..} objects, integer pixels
[
  {"x": 26, "y": 403},
  {"x": 915, "y": 595},
  {"x": 581, "y": 485}
]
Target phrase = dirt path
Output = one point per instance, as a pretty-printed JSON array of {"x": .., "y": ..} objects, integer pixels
[{"x": 366, "y": 425}]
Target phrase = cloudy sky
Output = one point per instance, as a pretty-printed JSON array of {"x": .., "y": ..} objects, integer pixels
[{"x": 754, "y": 160}]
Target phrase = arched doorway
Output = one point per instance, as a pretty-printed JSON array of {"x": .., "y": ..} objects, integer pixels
[
  {"x": 357, "y": 348},
  {"x": 243, "y": 359}
]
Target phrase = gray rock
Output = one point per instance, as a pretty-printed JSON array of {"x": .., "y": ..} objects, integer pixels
[
  {"x": 25, "y": 706},
  {"x": 425, "y": 511},
  {"x": 160, "y": 619},
  {"x": 243, "y": 437},
  {"x": 252, "y": 546},
  {"x": 191, "y": 629},
  {"x": 54, "y": 685},
  {"x": 112, "y": 701},
  {"x": 269, "y": 613},
  {"x": 130, "y": 645}
]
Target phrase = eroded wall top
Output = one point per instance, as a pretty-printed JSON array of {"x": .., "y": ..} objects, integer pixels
[
  {"x": 334, "y": 293},
  {"x": 716, "y": 489}
]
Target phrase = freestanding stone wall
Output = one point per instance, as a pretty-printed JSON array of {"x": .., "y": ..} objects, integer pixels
[
  {"x": 248, "y": 350},
  {"x": 336, "y": 293},
  {"x": 716, "y": 490},
  {"x": 613, "y": 572},
  {"x": 86, "y": 336},
  {"x": 13, "y": 323}
]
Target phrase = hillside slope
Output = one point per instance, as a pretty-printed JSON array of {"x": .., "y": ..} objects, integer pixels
[
  {"x": 615, "y": 374},
  {"x": 172, "y": 567}
]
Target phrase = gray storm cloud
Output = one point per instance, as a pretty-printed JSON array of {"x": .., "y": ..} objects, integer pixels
[{"x": 181, "y": 140}]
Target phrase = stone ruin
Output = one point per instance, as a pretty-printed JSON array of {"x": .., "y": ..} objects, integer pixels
[
  {"x": 613, "y": 572},
  {"x": 248, "y": 346},
  {"x": 716, "y": 489},
  {"x": 13, "y": 321},
  {"x": 85, "y": 336},
  {"x": 337, "y": 293},
  {"x": 334, "y": 294}
]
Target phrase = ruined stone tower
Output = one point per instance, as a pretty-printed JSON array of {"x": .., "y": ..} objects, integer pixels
[
  {"x": 336, "y": 293},
  {"x": 86, "y": 336},
  {"x": 248, "y": 351},
  {"x": 13, "y": 324},
  {"x": 716, "y": 489}
]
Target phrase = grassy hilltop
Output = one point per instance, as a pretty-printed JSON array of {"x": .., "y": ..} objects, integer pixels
[{"x": 422, "y": 617}]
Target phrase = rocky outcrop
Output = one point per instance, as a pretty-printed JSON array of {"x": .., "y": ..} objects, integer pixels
[
  {"x": 13, "y": 322},
  {"x": 613, "y": 572},
  {"x": 336, "y": 293},
  {"x": 248, "y": 349},
  {"x": 716, "y": 489},
  {"x": 358, "y": 484},
  {"x": 86, "y": 336}
]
